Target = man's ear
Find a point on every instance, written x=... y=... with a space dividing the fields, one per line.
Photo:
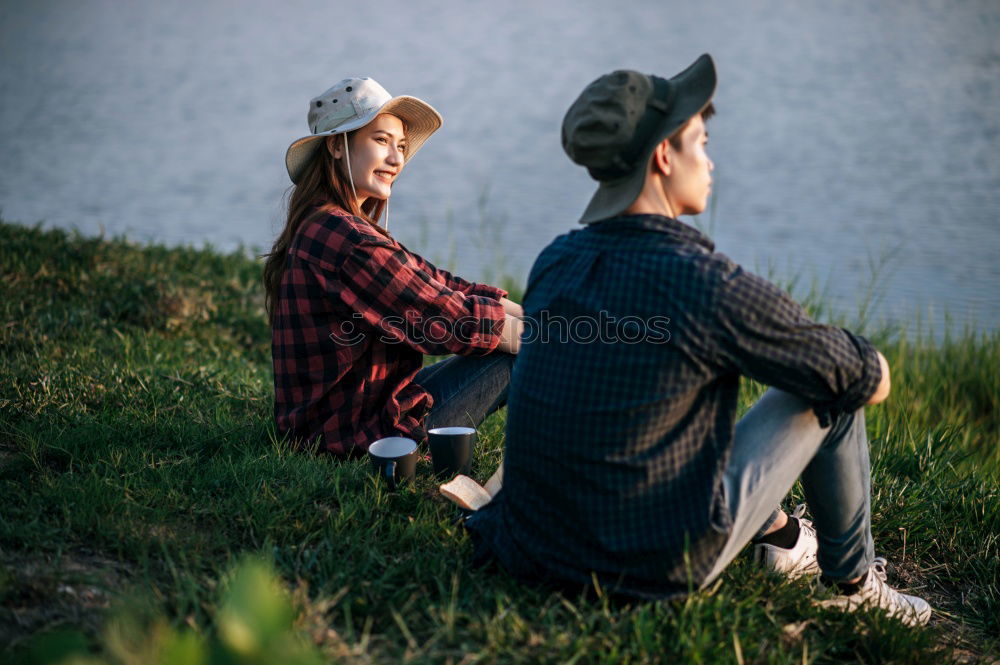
x=333 y=146
x=662 y=161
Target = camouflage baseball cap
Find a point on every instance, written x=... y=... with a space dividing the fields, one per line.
x=617 y=121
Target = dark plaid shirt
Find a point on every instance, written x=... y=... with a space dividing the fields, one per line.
x=356 y=313
x=616 y=446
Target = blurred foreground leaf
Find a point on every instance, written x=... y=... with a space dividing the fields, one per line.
x=255 y=626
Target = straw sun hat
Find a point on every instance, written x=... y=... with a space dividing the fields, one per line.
x=351 y=104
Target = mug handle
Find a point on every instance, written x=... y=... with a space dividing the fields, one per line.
x=390 y=474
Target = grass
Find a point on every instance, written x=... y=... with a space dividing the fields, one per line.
x=139 y=467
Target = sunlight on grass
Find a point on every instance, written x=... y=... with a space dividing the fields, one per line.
x=139 y=468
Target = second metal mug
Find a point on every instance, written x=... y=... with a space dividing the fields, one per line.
x=452 y=450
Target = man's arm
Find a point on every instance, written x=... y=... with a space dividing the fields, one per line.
x=764 y=334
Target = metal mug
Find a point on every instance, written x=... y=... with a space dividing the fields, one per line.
x=395 y=459
x=452 y=450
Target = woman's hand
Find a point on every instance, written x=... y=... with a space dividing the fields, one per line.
x=510 y=338
x=512 y=308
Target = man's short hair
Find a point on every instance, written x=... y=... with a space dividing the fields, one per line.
x=675 y=138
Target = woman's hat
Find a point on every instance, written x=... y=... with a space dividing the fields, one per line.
x=617 y=121
x=351 y=104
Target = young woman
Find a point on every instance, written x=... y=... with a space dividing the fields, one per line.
x=352 y=311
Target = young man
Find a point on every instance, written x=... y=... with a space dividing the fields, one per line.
x=624 y=462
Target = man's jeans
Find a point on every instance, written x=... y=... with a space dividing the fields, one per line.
x=466 y=389
x=780 y=440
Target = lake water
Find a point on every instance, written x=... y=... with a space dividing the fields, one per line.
x=856 y=145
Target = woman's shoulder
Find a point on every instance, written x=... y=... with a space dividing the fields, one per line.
x=328 y=233
x=328 y=219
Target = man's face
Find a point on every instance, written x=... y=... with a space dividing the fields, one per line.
x=690 y=181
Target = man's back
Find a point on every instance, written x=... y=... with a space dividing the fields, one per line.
x=609 y=460
x=623 y=402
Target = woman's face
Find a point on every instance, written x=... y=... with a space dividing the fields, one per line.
x=377 y=153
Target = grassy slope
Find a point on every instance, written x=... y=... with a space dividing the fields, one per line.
x=137 y=453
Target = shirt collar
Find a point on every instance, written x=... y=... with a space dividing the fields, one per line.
x=655 y=223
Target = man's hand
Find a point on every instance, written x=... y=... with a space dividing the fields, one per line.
x=884 y=385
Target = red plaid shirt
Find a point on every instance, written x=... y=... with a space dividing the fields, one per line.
x=356 y=313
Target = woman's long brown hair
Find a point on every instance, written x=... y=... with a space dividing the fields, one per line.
x=324 y=182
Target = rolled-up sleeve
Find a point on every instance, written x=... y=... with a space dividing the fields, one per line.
x=390 y=294
x=766 y=335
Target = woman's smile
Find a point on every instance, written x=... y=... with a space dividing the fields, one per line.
x=385 y=175
x=377 y=154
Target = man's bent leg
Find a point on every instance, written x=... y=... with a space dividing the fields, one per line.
x=774 y=444
x=837 y=485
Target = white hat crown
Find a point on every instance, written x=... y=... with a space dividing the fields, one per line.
x=351 y=99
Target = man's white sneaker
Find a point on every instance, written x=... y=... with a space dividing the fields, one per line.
x=794 y=562
x=875 y=592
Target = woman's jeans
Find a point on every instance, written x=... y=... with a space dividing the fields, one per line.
x=780 y=440
x=466 y=389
